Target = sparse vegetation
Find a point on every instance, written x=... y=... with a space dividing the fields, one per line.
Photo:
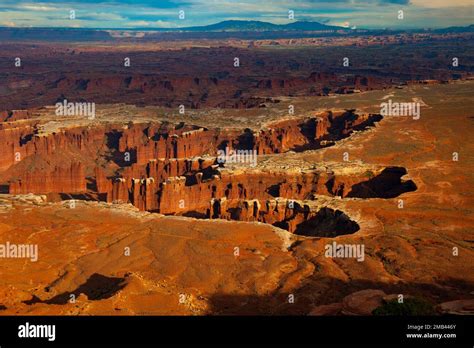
x=410 y=306
x=369 y=174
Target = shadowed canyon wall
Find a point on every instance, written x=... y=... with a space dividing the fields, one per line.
x=173 y=169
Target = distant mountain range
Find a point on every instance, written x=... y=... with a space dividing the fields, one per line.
x=222 y=30
x=258 y=26
x=469 y=28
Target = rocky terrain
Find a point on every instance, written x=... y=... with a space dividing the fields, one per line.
x=139 y=216
x=235 y=74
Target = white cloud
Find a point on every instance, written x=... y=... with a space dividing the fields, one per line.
x=444 y=3
x=31 y=7
x=8 y=24
x=344 y=24
x=132 y=24
x=100 y=16
x=364 y=14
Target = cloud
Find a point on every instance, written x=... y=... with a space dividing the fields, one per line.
x=345 y=24
x=164 y=13
x=30 y=7
x=100 y=16
x=445 y=4
x=137 y=24
x=7 y=24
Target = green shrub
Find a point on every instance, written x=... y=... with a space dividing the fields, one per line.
x=369 y=174
x=410 y=306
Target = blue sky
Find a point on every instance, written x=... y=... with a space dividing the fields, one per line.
x=165 y=13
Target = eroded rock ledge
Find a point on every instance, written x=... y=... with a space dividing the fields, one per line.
x=174 y=169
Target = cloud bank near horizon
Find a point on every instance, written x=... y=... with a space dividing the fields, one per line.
x=166 y=13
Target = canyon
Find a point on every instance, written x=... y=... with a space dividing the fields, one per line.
x=173 y=169
x=201 y=74
x=134 y=213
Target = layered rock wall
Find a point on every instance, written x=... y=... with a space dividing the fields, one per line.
x=168 y=168
x=69 y=179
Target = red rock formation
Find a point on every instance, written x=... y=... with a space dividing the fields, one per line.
x=69 y=179
x=281 y=137
x=11 y=143
x=119 y=191
x=234 y=187
x=182 y=194
x=102 y=183
x=290 y=134
x=145 y=142
x=14 y=115
x=19 y=142
x=287 y=214
x=151 y=143
x=164 y=172
x=140 y=184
